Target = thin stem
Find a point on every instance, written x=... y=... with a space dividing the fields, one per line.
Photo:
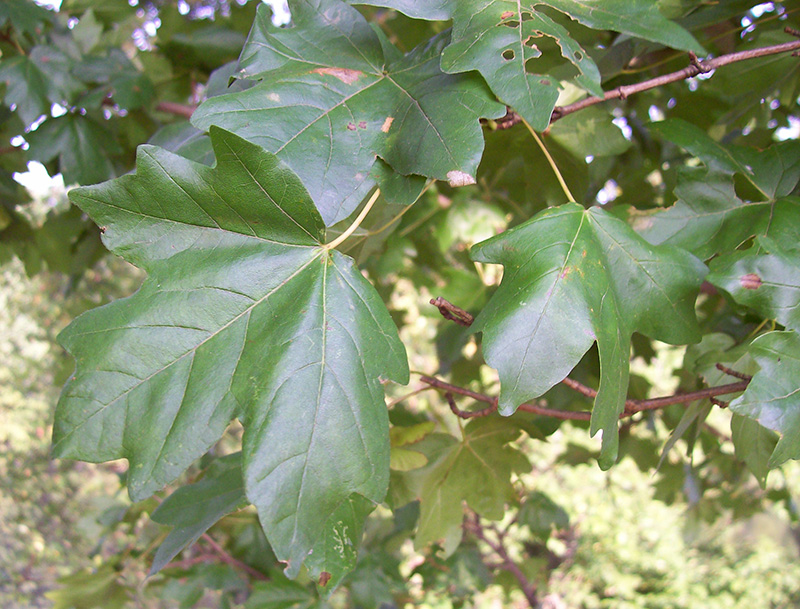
x=473 y=525
x=356 y=223
x=550 y=160
x=228 y=559
x=631 y=406
x=178 y=109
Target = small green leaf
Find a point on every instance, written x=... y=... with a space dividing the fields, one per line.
x=773 y=398
x=589 y=132
x=573 y=277
x=333 y=97
x=26 y=87
x=404 y=460
x=283 y=594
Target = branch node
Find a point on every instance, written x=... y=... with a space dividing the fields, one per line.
x=719 y=403
x=792 y=31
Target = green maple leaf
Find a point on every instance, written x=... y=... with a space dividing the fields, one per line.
x=477 y=470
x=244 y=314
x=335 y=95
x=773 y=397
x=573 y=277
x=708 y=217
x=499 y=39
x=84 y=148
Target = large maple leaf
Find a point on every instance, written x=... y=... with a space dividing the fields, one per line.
x=572 y=277
x=245 y=313
x=334 y=95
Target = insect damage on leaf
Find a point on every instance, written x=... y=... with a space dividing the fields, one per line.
x=459 y=178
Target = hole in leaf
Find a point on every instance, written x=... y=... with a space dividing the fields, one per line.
x=526 y=16
x=512 y=23
x=529 y=42
x=508 y=54
x=578 y=55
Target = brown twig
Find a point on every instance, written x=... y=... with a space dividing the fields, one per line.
x=733 y=373
x=473 y=525
x=696 y=66
x=631 y=406
x=184 y=110
x=228 y=559
x=450 y=311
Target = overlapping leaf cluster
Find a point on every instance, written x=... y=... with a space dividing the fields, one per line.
x=248 y=314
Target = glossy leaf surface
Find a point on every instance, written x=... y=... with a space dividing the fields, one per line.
x=244 y=314
x=334 y=95
x=573 y=277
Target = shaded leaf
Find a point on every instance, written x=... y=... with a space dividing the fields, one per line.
x=25 y=16
x=333 y=96
x=26 y=88
x=773 y=397
x=709 y=217
x=83 y=147
x=87 y=590
x=243 y=314
x=640 y=18
x=542 y=515
x=476 y=470
x=573 y=277
x=193 y=509
x=589 y=132
x=283 y=594
x=754 y=445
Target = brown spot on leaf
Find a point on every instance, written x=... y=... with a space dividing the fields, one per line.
x=506 y=14
x=387 y=123
x=351 y=127
x=751 y=281
x=324 y=578
x=362 y=124
x=346 y=75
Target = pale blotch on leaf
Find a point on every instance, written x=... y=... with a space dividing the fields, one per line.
x=459 y=178
x=387 y=123
x=273 y=97
x=751 y=281
x=346 y=75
